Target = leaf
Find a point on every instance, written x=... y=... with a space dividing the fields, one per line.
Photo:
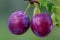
x=46 y=6
x=56 y=22
x=56 y=2
x=43 y=2
x=56 y=10
x=49 y=6
x=54 y=18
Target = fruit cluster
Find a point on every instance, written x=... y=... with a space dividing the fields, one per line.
x=41 y=22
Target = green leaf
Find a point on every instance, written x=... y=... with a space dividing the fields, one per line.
x=54 y=18
x=56 y=2
x=42 y=2
x=49 y=6
x=46 y=6
x=56 y=22
x=43 y=5
x=56 y=10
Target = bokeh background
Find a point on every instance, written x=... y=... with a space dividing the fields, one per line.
x=6 y=9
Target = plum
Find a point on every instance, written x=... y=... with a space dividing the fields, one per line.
x=41 y=24
x=18 y=22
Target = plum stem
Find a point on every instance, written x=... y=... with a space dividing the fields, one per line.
x=36 y=9
x=27 y=8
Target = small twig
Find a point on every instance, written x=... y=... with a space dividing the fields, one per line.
x=27 y=8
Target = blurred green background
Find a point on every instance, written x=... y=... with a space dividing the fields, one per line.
x=6 y=9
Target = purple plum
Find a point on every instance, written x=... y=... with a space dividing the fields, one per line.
x=41 y=24
x=18 y=22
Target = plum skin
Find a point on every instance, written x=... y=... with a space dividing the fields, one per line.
x=18 y=22
x=41 y=24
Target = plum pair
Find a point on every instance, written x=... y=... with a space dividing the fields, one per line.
x=41 y=24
